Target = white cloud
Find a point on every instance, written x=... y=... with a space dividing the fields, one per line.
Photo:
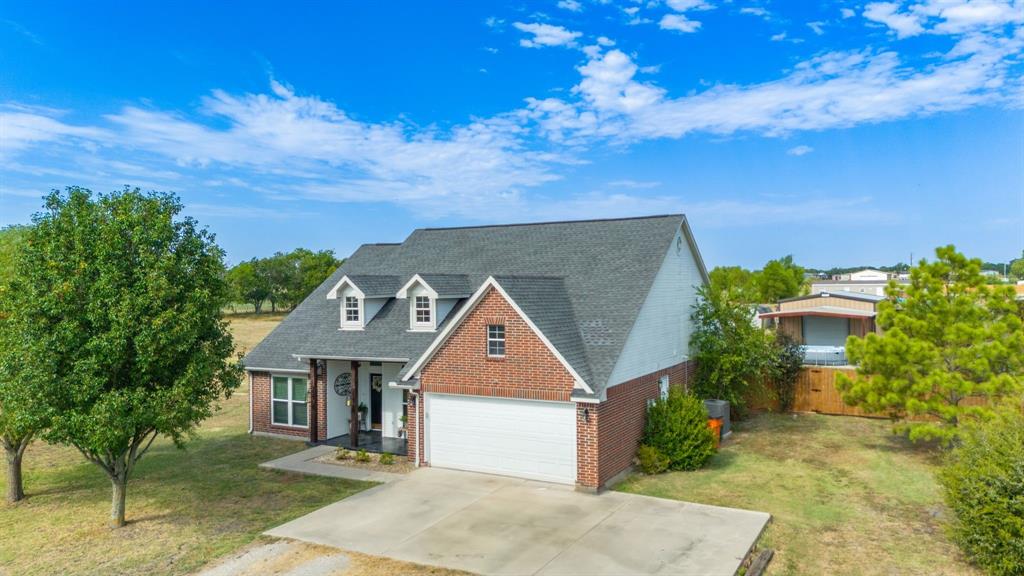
x=834 y=90
x=25 y=126
x=799 y=150
x=945 y=16
x=754 y=11
x=904 y=25
x=678 y=23
x=631 y=10
x=546 y=35
x=571 y=5
x=847 y=13
x=685 y=5
x=634 y=184
x=817 y=27
x=779 y=37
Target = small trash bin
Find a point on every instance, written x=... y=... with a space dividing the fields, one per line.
x=716 y=430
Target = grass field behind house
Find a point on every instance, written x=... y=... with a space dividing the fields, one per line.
x=846 y=496
x=184 y=507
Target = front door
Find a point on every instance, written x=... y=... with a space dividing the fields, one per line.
x=376 y=399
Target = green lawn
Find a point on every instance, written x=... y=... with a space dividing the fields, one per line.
x=184 y=507
x=846 y=496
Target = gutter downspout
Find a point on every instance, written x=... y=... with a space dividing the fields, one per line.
x=419 y=427
x=250 y=403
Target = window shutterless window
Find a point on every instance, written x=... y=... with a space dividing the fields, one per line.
x=351 y=309
x=423 y=310
x=288 y=400
x=495 y=340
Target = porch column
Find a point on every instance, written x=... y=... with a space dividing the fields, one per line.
x=313 y=395
x=353 y=421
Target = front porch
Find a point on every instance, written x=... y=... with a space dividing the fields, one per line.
x=371 y=441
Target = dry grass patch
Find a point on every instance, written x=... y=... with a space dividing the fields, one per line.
x=845 y=494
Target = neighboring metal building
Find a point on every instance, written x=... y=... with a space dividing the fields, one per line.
x=822 y=321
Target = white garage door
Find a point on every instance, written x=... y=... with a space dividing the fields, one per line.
x=523 y=438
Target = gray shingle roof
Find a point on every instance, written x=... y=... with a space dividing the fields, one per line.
x=582 y=283
x=376 y=286
x=449 y=285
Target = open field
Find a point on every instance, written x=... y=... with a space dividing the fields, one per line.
x=845 y=494
x=185 y=508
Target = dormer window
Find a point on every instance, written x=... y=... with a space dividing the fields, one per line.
x=423 y=315
x=352 y=313
x=351 y=309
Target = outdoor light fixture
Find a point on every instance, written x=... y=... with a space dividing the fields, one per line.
x=586 y=415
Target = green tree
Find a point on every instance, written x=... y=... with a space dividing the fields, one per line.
x=248 y=283
x=22 y=416
x=944 y=337
x=779 y=279
x=122 y=301
x=735 y=279
x=314 y=268
x=1017 y=267
x=731 y=353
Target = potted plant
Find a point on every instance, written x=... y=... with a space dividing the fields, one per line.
x=362 y=415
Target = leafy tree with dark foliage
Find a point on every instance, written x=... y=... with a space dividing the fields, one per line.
x=121 y=301
x=22 y=416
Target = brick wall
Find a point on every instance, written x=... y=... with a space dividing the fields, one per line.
x=461 y=366
x=617 y=424
x=261 y=408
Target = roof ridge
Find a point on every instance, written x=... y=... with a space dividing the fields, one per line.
x=517 y=224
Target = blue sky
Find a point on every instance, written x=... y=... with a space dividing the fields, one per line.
x=840 y=132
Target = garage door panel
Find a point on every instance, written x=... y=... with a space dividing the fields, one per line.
x=511 y=437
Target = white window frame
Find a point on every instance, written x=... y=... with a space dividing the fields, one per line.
x=289 y=402
x=502 y=339
x=414 y=320
x=347 y=324
x=663 y=386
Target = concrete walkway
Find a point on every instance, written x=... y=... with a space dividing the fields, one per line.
x=497 y=525
x=304 y=463
x=282 y=558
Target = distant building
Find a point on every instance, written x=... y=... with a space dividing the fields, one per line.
x=865 y=275
x=822 y=321
x=872 y=287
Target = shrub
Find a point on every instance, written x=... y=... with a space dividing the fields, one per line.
x=983 y=480
x=677 y=427
x=651 y=460
x=786 y=364
x=387 y=459
x=362 y=456
x=342 y=454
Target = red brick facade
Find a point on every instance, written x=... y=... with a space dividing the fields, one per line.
x=607 y=433
x=528 y=371
x=607 y=443
x=260 y=391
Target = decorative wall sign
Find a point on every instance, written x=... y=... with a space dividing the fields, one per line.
x=343 y=384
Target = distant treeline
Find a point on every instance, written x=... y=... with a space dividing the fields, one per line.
x=283 y=279
x=901 y=267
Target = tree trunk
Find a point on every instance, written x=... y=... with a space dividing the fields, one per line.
x=120 y=489
x=15 y=488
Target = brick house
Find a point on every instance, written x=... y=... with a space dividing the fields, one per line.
x=528 y=350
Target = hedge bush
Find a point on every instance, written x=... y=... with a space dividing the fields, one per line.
x=983 y=480
x=651 y=460
x=677 y=427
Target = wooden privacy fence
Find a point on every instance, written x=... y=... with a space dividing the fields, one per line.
x=816 y=392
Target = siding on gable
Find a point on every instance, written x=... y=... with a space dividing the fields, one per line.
x=660 y=337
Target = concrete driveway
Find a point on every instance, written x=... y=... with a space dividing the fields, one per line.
x=497 y=525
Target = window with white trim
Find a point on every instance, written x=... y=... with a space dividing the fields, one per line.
x=351 y=310
x=288 y=401
x=422 y=310
x=496 y=340
x=663 y=387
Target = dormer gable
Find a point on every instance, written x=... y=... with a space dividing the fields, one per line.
x=360 y=298
x=431 y=297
